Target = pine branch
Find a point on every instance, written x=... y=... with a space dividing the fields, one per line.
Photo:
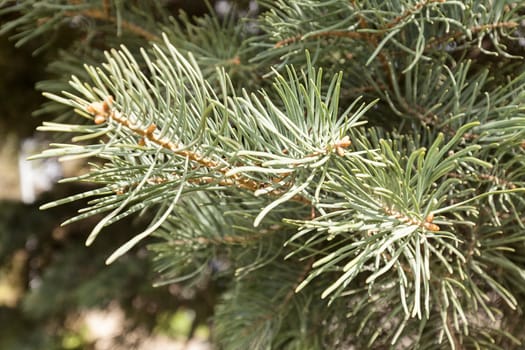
x=385 y=33
x=102 y=111
x=372 y=36
x=396 y=222
x=222 y=166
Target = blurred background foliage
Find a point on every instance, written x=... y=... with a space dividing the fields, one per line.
x=49 y=281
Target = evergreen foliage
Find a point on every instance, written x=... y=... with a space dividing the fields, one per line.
x=355 y=170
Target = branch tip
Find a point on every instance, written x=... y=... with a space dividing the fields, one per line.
x=341 y=145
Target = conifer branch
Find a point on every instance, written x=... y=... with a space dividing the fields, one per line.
x=103 y=111
x=412 y=221
x=370 y=36
x=436 y=42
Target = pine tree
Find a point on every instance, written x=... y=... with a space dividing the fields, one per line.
x=355 y=170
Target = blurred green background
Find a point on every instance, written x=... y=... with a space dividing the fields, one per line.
x=54 y=292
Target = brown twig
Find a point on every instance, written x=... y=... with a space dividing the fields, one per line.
x=103 y=15
x=491 y=178
x=498 y=180
x=106 y=6
x=227 y=239
x=332 y=33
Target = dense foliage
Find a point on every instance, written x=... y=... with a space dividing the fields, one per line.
x=354 y=170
